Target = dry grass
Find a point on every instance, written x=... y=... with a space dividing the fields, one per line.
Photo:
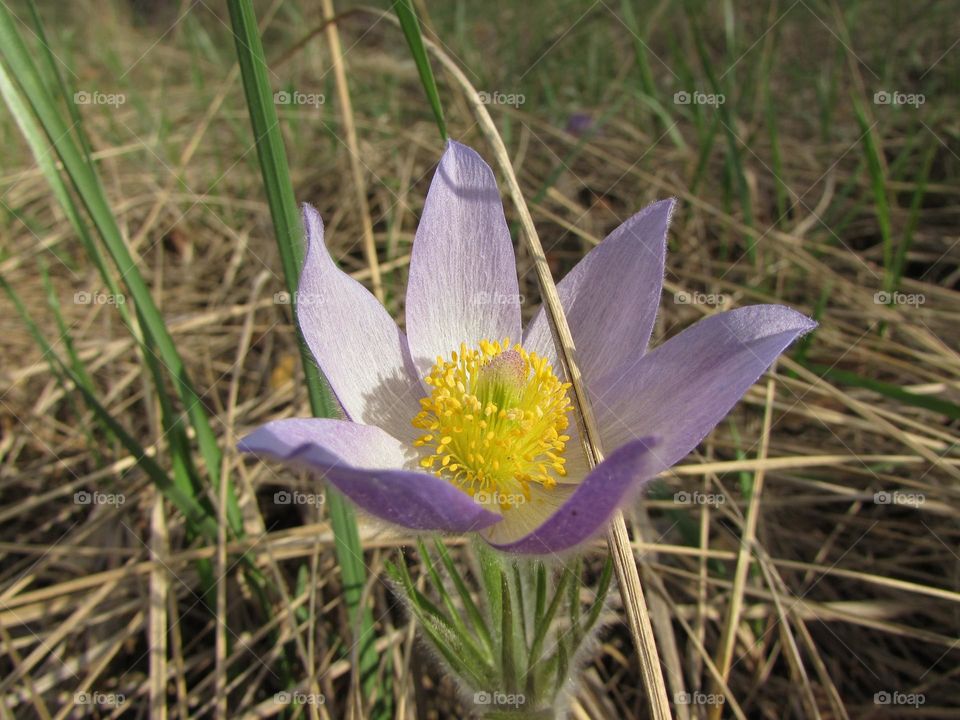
x=822 y=596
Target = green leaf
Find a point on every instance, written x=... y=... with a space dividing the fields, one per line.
x=508 y=664
x=411 y=31
x=543 y=629
x=878 y=183
x=476 y=618
x=453 y=612
x=444 y=636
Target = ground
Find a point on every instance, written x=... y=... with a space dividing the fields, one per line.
x=813 y=149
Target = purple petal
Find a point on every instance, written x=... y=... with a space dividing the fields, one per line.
x=359 y=348
x=611 y=297
x=463 y=278
x=366 y=464
x=590 y=507
x=683 y=388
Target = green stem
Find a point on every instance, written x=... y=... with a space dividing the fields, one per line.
x=289 y=235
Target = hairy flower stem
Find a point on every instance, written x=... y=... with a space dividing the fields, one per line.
x=514 y=650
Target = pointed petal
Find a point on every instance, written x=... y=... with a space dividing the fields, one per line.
x=367 y=465
x=683 y=388
x=589 y=507
x=611 y=297
x=359 y=348
x=463 y=278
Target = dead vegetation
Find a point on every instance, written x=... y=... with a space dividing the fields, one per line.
x=828 y=567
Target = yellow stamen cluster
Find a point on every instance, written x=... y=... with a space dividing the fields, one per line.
x=494 y=421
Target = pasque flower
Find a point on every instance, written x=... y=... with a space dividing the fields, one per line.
x=464 y=423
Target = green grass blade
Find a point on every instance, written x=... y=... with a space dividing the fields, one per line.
x=199 y=518
x=894 y=392
x=174 y=430
x=916 y=205
x=87 y=185
x=411 y=31
x=735 y=165
x=65 y=335
x=289 y=234
x=878 y=183
x=647 y=83
x=51 y=62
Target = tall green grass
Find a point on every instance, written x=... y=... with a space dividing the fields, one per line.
x=288 y=230
x=42 y=104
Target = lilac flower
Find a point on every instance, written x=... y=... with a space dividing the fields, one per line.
x=463 y=424
x=579 y=124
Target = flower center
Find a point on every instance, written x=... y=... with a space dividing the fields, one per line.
x=494 y=422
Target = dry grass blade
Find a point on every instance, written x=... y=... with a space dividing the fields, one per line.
x=620 y=549
x=350 y=128
x=852 y=586
x=729 y=636
x=159 y=588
